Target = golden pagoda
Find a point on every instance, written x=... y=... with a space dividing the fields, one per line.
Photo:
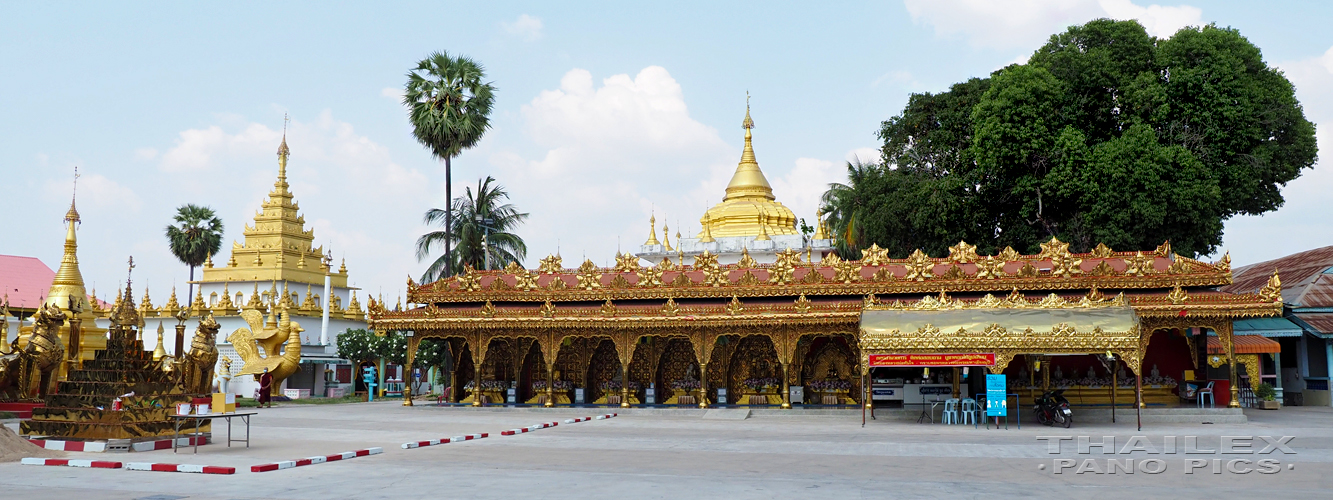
x=277 y=246
x=749 y=207
x=67 y=287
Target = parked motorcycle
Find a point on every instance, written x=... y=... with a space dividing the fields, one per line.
x=1052 y=408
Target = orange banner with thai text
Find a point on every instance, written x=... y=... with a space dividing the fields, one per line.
x=965 y=359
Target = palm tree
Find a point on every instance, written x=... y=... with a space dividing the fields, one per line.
x=196 y=237
x=483 y=232
x=841 y=204
x=449 y=107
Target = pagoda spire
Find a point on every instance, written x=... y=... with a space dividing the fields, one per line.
x=749 y=180
x=68 y=280
x=280 y=187
x=652 y=231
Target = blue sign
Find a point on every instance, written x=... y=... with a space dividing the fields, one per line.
x=997 y=403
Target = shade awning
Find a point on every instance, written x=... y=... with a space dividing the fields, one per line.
x=1245 y=344
x=1086 y=320
x=324 y=358
x=1267 y=327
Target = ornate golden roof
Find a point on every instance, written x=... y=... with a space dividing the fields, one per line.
x=749 y=207
x=277 y=246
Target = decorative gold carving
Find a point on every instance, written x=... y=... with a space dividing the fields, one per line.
x=883 y=274
x=1163 y=250
x=1224 y=265
x=670 y=308
x=1054 y=249
x=847 y=271
x=548 y=309
x=813 y=277
x=919 y=266
x=499 y=284
x=1028 y=271
x=1102 y=251
x=989 y=302
x=557 y=283
x=714 y=275
x=682 y=281
x=1053 y=301
x=608 y=309
x=550 y=265
x=650 y=276
x=963 y=253
x=667 y=265
x=1016 y=299
x=1095 y=295
x=590 y=278
x=1139 y=265
x=1177 y=296
x=487 y=310
x=1008 y=254
x=526 y=281
x=1179 y=265
x=954 y=273
x=874 y=256
x=803 y=304
x=748 y=279
x=870 y=301
x=746 y=262
x=469 y=281
x=734 y=307
x=1272 y=290
x=1102 y=269
x=627 y=263
x=511 y=268
x=620 y=281
x=990 y=268
x=782 y=271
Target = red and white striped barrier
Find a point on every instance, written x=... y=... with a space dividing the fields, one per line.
x=96 y=464
x=455 y=439
x=577 y=420
x=522 y=430
x=100 y=446
x=197 y=469
x=316 y=460
x=608 y=415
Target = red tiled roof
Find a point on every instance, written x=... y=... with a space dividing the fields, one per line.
x=1304 y=283
x=1245 y=344
x=25 y=279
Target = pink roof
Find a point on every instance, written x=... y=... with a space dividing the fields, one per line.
x=25 y=279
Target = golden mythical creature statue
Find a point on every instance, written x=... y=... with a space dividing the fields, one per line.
x=31 y=372
x=194 y=369
x=268 y=340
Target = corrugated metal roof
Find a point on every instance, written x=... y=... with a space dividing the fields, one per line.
x=25 y=279
x=1304 y=283
x=1268 y=327
x=1245 y=344
x=1322 y=323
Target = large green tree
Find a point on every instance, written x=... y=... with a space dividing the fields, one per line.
x=482 y=232
x=196 y=235
x=449 y=107
x=1105 y=135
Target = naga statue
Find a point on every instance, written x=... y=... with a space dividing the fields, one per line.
x=269 y=339
x=31 y=372
x=194 y=369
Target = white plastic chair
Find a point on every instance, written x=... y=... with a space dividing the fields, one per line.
x=1207 y=390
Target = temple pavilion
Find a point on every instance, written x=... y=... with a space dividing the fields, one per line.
x=749 y=310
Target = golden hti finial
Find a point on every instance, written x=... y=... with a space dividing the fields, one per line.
x=666 y=237
x=73 y=215
x=708 y=232
x=652 y=231
x=820 y=234
x=160 y=351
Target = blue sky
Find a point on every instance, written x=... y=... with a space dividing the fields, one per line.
x=604 y=114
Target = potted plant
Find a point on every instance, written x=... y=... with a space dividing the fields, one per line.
x=1267 y=397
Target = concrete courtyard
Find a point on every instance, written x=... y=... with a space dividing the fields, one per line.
x=666 y=454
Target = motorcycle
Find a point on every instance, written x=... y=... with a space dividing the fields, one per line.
x=1052 y=408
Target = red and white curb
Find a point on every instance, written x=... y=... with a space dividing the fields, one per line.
x=608 y=415
x=455 y=439
x=197 y=469
x=316 y=460
x=512 y=432
x=95 y=464
x=100 y=446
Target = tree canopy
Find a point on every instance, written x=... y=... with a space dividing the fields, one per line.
x=196 y=236
x=1106 y=135
x=482 y=232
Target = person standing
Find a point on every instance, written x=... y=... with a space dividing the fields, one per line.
x=265 y=389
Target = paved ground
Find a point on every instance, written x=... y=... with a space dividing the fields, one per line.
x=642 y=455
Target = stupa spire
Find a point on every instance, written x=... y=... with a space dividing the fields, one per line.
x=281 y=185
x=652 y=231
x=68 y=281
x=749 y=180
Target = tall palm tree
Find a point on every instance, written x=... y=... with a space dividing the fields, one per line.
x=484 y=226
x=841 y=204
x=449 y=107
x=196 y=236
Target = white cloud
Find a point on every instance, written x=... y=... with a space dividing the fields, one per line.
x=1300 y=224
x=864 y=155
x=97 y=191
x=526 y=27
x=145 y=154
x=1028 y=23
x=196 y=148
x=802 y=187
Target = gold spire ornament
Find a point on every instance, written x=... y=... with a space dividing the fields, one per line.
x=666 y=237
x=160 y=351
x=652 y=231
x=748 y=195
x=708 y=233
x=820 y=234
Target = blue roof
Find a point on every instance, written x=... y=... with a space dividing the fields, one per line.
x=1268 y=327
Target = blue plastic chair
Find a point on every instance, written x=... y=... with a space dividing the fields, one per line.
x=950 y=415
x=970 y=410
x=1205 y=391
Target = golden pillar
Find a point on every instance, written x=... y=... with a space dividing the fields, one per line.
x=550 y=384
x=1224 y=333
x=703 y=385
x=180 y=340
x=407 y=369
x=786 y=391
x=624 y=387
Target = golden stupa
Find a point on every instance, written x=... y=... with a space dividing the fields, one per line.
x=749 y=207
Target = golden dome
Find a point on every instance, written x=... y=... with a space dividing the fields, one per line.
x=749 y=207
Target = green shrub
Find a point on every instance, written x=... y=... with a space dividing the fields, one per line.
x=1265 y=392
